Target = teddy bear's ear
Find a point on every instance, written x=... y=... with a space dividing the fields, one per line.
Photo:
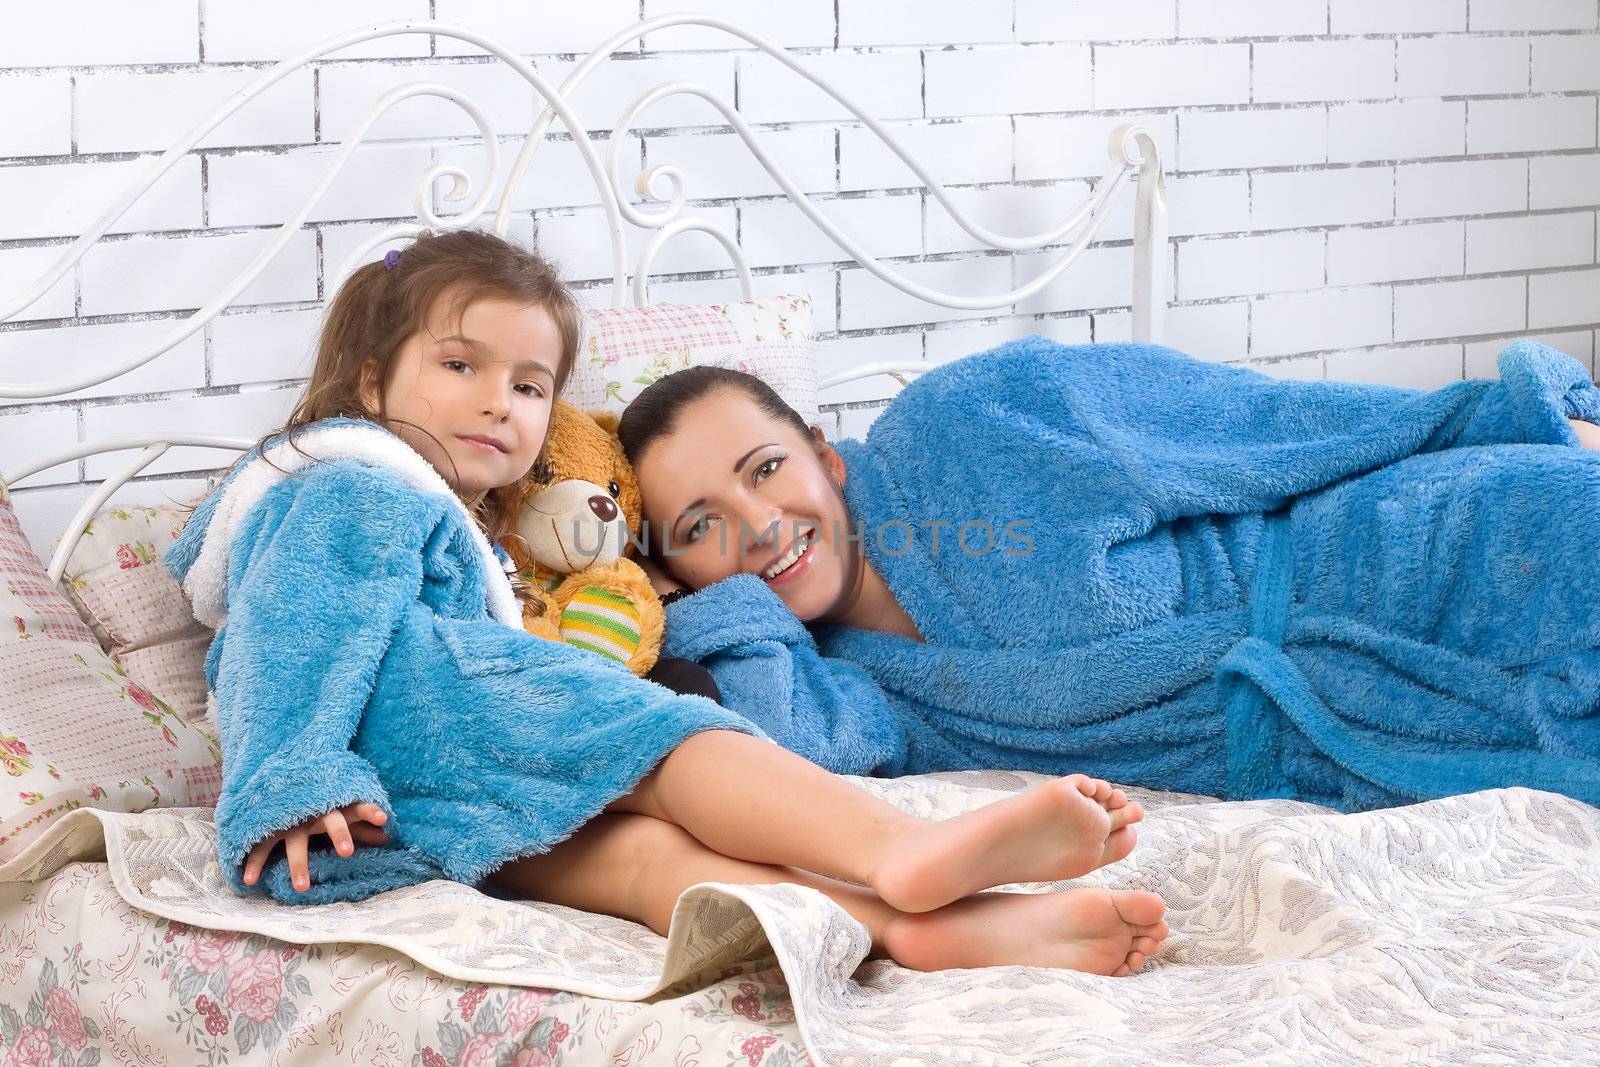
x=606 y=420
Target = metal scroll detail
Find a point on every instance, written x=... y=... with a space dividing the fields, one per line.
x=1132 y=152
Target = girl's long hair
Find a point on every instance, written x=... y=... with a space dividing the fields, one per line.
x=382 y=304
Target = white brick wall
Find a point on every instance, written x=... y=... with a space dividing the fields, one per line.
x=1364 y=189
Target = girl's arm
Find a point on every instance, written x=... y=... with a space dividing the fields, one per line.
x=321 y=573
x=769 y=670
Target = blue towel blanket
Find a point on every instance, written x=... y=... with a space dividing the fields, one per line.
x=1351 y=594
x=369 y=648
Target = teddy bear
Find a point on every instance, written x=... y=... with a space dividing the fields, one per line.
x=578 y=510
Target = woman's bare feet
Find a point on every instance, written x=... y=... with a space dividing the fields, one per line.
x=1100 y=931
x=1057 y=830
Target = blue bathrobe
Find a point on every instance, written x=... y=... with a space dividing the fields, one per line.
x=369 y=648
x=1187 y=576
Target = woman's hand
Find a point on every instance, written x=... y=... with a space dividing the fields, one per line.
x=1588 y=433
x=344 y=826
x=662 y=582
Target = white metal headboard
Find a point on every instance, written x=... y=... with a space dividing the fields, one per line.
x=1131 y=149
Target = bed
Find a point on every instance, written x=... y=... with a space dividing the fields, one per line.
x=1459 y=931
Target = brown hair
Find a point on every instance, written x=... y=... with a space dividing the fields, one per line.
x=655 y=412
x=384 y=303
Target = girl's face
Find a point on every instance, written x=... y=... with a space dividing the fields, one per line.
x=483 y=387
x=732 y=490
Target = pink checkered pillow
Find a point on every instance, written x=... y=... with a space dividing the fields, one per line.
x=75 y=730
x=625 y=349
x=137 y=610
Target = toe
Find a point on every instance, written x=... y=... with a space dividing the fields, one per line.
x=1146 y=945
x=1119 y=844
x=1135 y=961
x=1140 y=908
x=1121 y=971
x=1126 y=815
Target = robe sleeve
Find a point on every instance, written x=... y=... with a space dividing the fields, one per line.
x=1191 y=437
x=1538 y=391
x=320 y=576
x=1276 y=439
x=769 y=670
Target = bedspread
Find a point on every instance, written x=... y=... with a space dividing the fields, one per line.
x=1461 y=930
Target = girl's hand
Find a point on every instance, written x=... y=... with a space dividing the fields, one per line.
x=659 y=579
x=344 y=826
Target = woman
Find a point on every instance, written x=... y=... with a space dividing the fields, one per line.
x=1119 y=559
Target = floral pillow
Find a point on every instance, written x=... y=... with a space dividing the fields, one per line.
x=624 y=349
x=137 y=609
x=75 y=729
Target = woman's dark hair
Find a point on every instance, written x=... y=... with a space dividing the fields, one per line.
x=656 y=411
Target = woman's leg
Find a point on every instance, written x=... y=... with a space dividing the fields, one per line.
x=1449 y=604
x=753 y=800
x=636 y=867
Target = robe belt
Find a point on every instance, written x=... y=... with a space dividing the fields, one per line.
x=1265 y=694
x=1256 y=680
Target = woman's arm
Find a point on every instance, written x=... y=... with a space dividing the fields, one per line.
x=1541 y=397
x=1154 y=435
x=1588 y=433
x=769 y=670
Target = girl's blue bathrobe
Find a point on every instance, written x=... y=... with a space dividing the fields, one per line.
x=369 y=648
x=1203 y=579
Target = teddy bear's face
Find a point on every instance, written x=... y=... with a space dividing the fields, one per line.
x=583 y=502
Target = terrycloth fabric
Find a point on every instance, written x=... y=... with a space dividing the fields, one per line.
x=1356 y=595
x=368 y=649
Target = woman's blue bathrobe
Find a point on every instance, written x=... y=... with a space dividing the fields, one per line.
x=1356 y=595
x=368 y=648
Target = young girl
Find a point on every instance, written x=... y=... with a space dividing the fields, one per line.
x=372 y=683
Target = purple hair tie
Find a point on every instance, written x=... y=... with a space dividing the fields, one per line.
x=391 y=258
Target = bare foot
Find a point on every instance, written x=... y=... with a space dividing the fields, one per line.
x=1120 y=842
x=1100 y=931
x=1057 y=830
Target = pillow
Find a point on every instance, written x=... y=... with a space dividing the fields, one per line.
x=625 y=349
x=75 y=729
x=135 y=607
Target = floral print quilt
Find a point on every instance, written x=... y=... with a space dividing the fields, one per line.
x=1459 y=931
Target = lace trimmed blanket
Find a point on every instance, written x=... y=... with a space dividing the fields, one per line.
x=1462 y=930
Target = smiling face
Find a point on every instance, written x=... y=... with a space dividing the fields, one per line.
x=473 y=396
x=735 y=490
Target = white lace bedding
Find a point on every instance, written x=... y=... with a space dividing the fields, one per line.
x=1461 y=931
